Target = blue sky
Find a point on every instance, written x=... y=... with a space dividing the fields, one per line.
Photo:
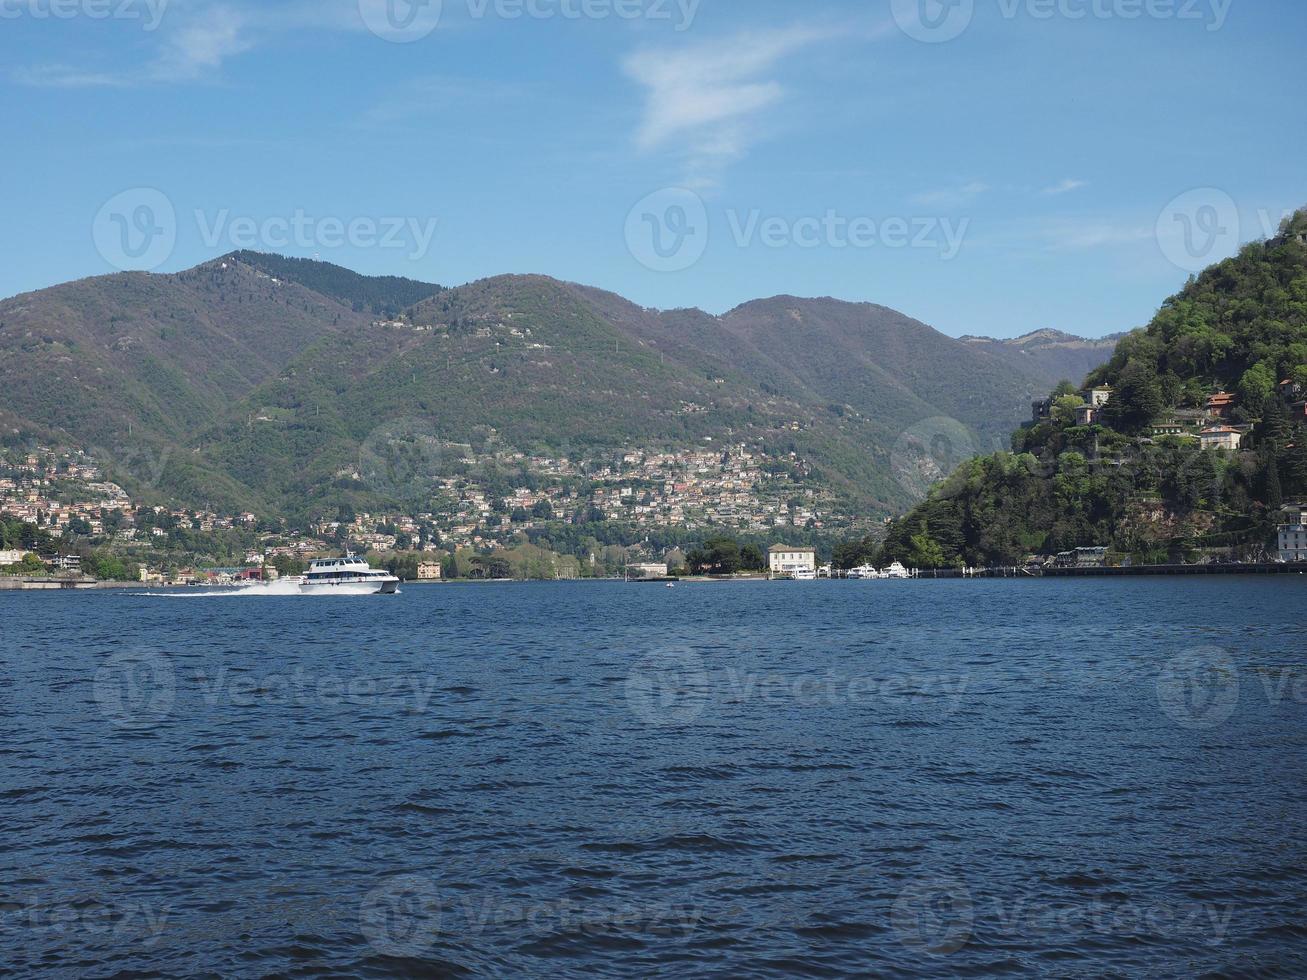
x=991 y=167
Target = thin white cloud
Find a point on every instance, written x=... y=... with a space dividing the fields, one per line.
x=1065 y=187
x=951 y=197
x=66 y=76
x=704 y=100
x=194 y=47
x=1066 y=234
x=198 y=48
x=439 y=94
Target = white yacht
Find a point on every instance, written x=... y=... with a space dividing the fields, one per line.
x=350 y=575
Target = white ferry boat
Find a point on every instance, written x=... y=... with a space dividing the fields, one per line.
x=346 y=576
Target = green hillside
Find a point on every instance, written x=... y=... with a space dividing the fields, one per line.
x=260 y=383
x=1137 y=479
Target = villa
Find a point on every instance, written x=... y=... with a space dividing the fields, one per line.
x=787 y=560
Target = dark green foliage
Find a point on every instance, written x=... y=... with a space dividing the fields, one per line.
x=379 y=295
x=1240 y=327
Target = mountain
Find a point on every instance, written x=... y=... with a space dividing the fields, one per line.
x=1137 y=478
x=264 y=383
x=1051 y=354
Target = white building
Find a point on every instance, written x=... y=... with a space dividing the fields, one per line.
x=787 y=560
x=1098 y=397
x=1293 y=533
x=1221 y=437
x=11 y=557
x=652 y=569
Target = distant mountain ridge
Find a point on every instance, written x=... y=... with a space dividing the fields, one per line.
x=1051 y=353
x=252 y=381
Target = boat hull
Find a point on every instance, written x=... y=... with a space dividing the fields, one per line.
x=388 y=586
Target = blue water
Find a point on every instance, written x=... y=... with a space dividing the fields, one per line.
x=1070 y=778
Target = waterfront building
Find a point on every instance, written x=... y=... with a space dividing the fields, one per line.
x=1293 y=533
x=786 y=560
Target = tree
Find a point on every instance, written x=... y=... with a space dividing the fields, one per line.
x=1257 y=387
x=1274 y=492
x=752 y=558
x=1137 y=400
x=925 y=552
x=718 y=556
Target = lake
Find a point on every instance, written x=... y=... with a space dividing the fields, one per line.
x=1070 y=777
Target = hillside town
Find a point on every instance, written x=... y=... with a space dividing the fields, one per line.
x=65 y=494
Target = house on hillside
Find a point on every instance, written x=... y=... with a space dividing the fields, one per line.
x=429 y=571
x=1041 y=411
x=1098 y=397
x=1221 y=437
x=1086 y=415
x=1220 y=405
x=1183 y=422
